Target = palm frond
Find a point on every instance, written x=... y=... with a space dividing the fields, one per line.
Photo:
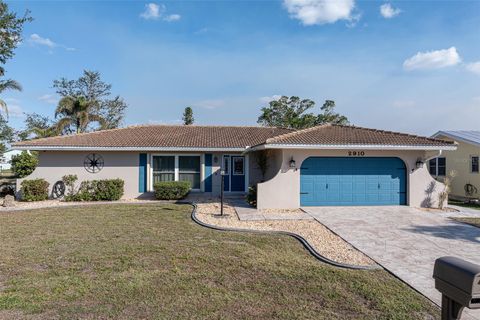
x=3 y=106
x=63 y=123
x=10 y=84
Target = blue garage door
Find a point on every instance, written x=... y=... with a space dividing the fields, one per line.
x=335 y=181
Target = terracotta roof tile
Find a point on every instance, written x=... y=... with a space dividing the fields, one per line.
x=151 y=136
x=226 y=137
x=330 y=134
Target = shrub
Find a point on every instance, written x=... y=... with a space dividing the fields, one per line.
x=34 y=190
x=252 y=196
x=69 y=181
x=98 y=190
x=171 y=190
x=24 y=163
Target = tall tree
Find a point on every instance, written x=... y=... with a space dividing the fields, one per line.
x=5 y=85
x=38 y=126
x=292 y=113
x=6 y=135
x=93 y=89
x=188 y=118
x=76 y=114
x=11 y=27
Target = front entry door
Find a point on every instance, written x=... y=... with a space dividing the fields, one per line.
x=234 y=168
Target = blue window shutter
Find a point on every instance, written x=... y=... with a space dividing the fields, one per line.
x=142 y=173
x=208 y=172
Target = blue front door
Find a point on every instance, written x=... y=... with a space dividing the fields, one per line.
x=234 y=168
x=339 y=181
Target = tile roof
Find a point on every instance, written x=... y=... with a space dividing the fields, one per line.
x=331 y=134
x=162 y=136
x=226 y=137
x=472 y=136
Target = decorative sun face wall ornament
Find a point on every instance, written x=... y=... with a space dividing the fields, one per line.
x=93 y=163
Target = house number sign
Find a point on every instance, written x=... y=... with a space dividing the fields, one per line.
x=356 y=153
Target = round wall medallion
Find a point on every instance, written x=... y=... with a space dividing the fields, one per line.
x=93 y=163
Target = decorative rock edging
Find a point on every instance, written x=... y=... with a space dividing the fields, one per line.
x=302 y=240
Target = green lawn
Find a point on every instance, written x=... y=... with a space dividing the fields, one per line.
x=153 y=262
x=463 y=204
x=473 y=221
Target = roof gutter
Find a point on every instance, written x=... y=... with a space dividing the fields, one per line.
x=350 y=146
x=169 y=149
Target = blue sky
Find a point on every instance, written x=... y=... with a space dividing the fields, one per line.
x=410 y=66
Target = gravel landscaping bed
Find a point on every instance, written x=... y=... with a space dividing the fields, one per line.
x=322 y=239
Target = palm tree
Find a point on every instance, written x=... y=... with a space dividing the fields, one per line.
x=78 y=113
x=8 y=85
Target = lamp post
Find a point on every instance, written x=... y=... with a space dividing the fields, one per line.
x=222 y=174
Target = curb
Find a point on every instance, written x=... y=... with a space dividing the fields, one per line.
x=302 y=240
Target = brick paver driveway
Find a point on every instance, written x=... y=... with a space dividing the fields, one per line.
x=404 y=240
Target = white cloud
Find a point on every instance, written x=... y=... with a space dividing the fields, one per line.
x=36 y=39
x=433 y=59
x=317 y=12
x=474 y=67
x=268 y=99
x=172 y=17
x=155 y=11
x=49 y=98
x=210 y=104
x=388 y=11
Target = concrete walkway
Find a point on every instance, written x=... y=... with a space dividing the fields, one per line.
x=404 y=240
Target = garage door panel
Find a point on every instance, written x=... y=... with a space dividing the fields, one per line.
x=352 y=181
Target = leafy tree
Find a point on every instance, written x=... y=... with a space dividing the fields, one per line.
x=38 y=126
x=188 y=118
x=292 y=113
x=91 y=88
x=6 y=135
x=11 y=27
x=329 y=116
x=76 y=113
x=24 y=163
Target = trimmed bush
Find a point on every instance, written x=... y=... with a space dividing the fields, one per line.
x=99 y=190
x=34 y=190
x=24 y=163
x=171 y=190
x=69 y=180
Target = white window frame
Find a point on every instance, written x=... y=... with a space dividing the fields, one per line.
x=177 y=169
x=471 y=163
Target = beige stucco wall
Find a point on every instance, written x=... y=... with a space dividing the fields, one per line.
x=53 y=165
x=283 y=189
x=459 y=161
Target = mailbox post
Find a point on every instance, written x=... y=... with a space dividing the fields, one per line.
x=459 y=283
x=222 y=178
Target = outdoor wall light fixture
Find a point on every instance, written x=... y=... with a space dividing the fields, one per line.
x=292 y=163
x=215 y=159
x=419 y=164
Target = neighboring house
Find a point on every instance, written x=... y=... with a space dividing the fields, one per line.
x=464 y=161
x=325 y=165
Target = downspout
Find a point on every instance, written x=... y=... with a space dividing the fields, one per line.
x=435 y=156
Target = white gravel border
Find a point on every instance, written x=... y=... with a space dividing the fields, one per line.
x=320 y=238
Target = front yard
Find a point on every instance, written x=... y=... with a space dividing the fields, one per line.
x=470 y=220
x=151 y=261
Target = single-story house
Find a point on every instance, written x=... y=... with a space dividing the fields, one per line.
x=327 y=165
x=464 y=161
